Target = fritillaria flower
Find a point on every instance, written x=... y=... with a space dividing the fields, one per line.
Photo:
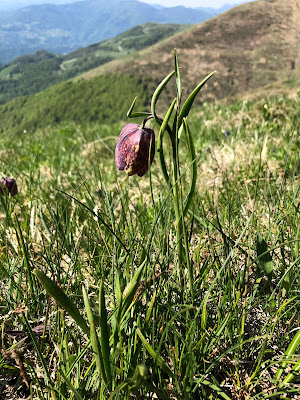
x=133 y=149
x=8 y=185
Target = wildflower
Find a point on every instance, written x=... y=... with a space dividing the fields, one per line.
x=8 y=185
x=132 y=150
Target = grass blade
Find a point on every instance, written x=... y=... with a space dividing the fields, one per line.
x=104 y=338
x=216 y=389
x=130 y=290
x=71 y=387
x=62 y=299
x=40 y=355
x=289 y=352
x=154 y=355
x=26 y=257
x=94 y=338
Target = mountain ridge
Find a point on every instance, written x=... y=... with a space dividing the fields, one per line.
x=65 y=28
x=32 y=73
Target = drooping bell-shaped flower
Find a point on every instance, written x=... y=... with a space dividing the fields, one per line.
x=8 y=185
x=133 y=149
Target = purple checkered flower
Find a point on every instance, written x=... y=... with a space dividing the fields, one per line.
x=132 y=149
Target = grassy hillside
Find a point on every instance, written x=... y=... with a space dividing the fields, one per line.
x=105 y=98
x=250 y=46
x=226 y=339
x=34 y=73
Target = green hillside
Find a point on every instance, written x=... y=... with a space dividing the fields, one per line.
x=33 y=73
x=105 y=98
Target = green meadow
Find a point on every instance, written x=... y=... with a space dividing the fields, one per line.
x=119 y=314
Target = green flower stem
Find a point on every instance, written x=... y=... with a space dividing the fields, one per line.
x=160 y=150
x=179 y=124
x=164 y=126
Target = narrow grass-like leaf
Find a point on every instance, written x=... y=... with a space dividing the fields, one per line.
x=177 y=77
x=121 y=387
x=25 y=256
x=71 y=387
x=139 y=114
x=99 y=218
x=149 y=312
x=216 y=389
x=40 y=355
x=164 y=125
x=130 y=290
x=62 y=299
x=297 y=244
x=204 y=313
x=264 y=256
x=291 y=375
x=104 y=337
x=131 y=107
x=94 y=338
x=78 y=358
x=118 y=292
x=131 y=114
x=154 y=355
x=194 y=167
x=189 y=101
x=156 y=95
x=288 y=354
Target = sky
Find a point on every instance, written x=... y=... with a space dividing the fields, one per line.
x=195 y=3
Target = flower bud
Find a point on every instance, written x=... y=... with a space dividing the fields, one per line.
x=132 y=150
x=8 y=185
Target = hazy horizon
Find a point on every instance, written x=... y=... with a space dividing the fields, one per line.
x=6 y=5
x=195 y=3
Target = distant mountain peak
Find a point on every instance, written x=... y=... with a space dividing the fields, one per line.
x=63 y=28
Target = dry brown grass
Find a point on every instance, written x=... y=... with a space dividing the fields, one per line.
x=250 y=46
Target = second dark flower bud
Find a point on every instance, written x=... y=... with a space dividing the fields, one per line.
x=8 y=185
